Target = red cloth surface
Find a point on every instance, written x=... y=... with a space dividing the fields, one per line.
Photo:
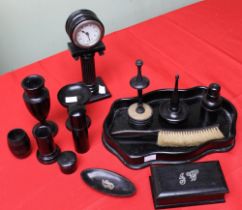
x=201 y=42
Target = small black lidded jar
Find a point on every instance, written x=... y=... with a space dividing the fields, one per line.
x=19 y=143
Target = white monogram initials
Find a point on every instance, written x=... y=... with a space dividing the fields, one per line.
x=182 y=179
x=107 y=184
x=191 y=175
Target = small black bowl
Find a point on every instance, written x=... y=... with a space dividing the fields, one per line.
x=74 y=93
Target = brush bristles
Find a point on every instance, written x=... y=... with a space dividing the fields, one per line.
x=188 y=138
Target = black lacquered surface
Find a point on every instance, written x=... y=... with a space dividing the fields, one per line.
x=108 y=182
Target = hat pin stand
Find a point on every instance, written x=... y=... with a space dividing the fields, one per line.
x=140 y=113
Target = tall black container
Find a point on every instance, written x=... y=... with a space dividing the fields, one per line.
x=79 y=124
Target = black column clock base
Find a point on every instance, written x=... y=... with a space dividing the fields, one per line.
x=95 y=84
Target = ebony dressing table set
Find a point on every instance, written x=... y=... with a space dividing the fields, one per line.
x=165 y=129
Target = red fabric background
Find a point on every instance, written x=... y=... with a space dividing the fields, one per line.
x=201 y=42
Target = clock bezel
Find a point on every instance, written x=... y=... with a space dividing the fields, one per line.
x=77 y=28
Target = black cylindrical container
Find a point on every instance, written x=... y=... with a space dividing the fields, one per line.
x=47 y=150
x=77 y=115
x=19 y=143
x=212 y=99
x=211 y=103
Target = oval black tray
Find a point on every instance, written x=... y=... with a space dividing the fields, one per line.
x=138 y=154
x=108 y=182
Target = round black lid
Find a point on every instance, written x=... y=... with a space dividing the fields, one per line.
x=67 y=161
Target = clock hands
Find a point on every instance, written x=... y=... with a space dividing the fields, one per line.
x=86 y=34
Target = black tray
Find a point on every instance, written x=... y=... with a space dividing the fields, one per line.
x=137 y=154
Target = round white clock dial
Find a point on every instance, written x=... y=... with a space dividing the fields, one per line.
x=87 y=33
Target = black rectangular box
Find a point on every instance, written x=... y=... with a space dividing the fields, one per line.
x=187 y=184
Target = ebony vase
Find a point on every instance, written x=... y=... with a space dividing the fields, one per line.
x=37 y=99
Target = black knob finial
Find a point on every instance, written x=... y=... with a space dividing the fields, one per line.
x=214 y=90
x=139 y=63
x=139 y=82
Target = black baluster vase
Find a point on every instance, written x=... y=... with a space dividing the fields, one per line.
x=37 y=99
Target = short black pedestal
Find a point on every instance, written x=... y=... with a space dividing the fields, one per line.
x=101 y=93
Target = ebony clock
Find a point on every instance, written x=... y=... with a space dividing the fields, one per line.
x=86 y=31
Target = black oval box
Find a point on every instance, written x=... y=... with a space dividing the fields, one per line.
x=108 y=182
x=187 y=184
